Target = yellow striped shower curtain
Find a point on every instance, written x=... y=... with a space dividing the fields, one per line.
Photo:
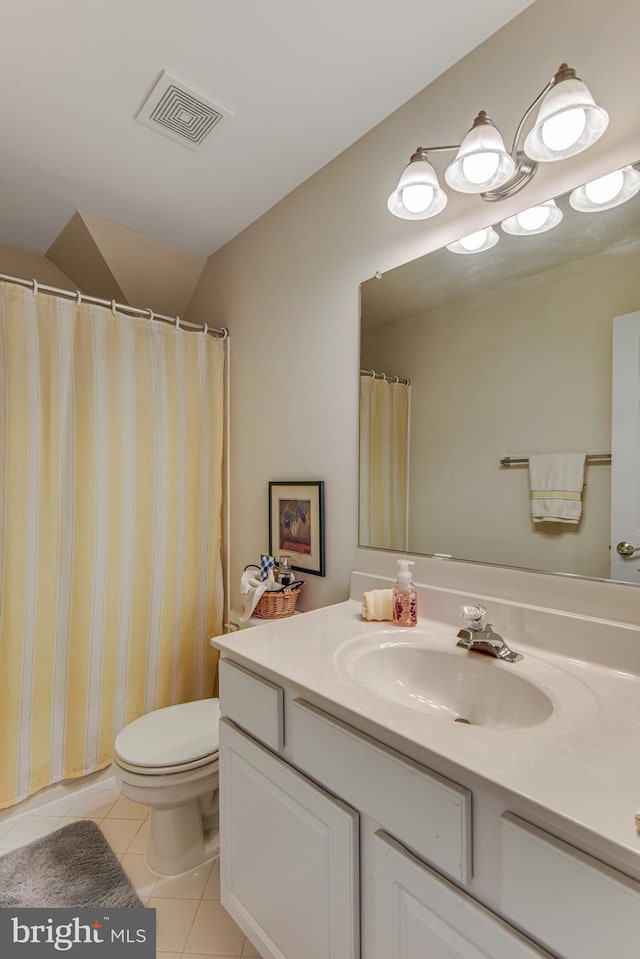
x=384 y=453
x=111 y=439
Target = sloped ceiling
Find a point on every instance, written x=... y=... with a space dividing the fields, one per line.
x=78 y=255
x=150 y=273
x=112 y=262
x=301 y=82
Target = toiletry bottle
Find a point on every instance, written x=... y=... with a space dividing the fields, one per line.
x=405 y=599
x=285 y=573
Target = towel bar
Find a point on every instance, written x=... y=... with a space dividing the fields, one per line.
x=524 y=460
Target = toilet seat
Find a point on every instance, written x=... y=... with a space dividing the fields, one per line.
x=170 y=740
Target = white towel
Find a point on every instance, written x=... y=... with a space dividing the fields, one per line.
x=378 y=604
x=556 y=481
x=252 y=588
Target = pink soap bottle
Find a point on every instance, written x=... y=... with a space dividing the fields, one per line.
x=405 y=598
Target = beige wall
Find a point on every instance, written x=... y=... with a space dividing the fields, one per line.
x=112 y=262
x=15 y=261
x=525 y=368
x=287 y=287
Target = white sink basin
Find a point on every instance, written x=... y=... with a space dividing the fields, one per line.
x=452 y=684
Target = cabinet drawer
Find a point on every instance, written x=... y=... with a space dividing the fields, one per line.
x=253 y=703
x=418 y=914
x=576 y=905
x=430 y=814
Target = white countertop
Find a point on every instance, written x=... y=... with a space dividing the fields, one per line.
x=583 y=763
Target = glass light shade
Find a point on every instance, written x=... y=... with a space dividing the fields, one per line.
x=607 y=191
x=476 y=242
x=482 y=162
x=605 y=188
x=568 y=122
x=536 y=219
x=418 y=194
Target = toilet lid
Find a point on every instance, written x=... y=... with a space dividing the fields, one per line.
x=173 y=736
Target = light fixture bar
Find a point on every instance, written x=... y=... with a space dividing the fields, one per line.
x=426 y=150
x=524 y=173
x=568 y=122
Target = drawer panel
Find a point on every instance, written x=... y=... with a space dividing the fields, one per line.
x=252 y=702
x=426 y=812
x=575 y=905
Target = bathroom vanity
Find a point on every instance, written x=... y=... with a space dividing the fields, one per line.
x=387 y=795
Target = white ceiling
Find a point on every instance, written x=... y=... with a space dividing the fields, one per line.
x=303 y=79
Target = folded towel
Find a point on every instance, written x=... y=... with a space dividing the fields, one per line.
x=378 y=604
x=556 y=481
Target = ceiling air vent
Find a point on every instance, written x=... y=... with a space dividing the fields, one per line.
x=179 y=112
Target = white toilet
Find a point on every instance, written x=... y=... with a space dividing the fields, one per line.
x=168 y=759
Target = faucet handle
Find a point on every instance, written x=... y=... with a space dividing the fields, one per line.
x=475 y=617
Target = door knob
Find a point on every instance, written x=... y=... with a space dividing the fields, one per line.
x=626 y=549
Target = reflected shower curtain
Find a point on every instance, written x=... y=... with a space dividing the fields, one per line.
x=110 y=529
x=384 y=475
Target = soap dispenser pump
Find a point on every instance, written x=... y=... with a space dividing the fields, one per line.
x=405 y=598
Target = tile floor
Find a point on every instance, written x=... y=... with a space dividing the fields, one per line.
x=190 y=922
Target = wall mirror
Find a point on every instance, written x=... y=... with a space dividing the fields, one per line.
x=508 y=352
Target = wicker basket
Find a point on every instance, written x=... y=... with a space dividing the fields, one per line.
x=277 y=604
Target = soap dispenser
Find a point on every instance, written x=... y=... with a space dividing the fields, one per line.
x=405 y=598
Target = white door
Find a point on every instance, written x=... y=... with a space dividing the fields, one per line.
x=288 y=856
x=625 y=447
x=419 y=915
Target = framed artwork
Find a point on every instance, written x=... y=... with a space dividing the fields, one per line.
x=296 y=524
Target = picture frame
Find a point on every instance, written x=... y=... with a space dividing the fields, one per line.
x=296 y=524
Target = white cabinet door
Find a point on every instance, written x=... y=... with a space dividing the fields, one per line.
x=420 y=915
x=288 y=856
x=580 y=907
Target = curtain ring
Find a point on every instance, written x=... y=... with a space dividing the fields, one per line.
x=35 y=287
x=205 y=329
x=113 y=307
x=150 y=315
x=78 y=297
x=372 y=374
x=394 y=379
x=177 y=323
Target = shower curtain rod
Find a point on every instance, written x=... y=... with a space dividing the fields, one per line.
x=374 y=374
x=219 y=333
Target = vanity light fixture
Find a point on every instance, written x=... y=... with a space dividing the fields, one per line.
x=537 y=219
x=607 y=191
x=476 y=242
x=568 y=122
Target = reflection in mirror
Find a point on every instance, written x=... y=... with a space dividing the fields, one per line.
x=509 y=353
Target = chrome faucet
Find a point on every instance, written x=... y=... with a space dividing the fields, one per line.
x=478 y=636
